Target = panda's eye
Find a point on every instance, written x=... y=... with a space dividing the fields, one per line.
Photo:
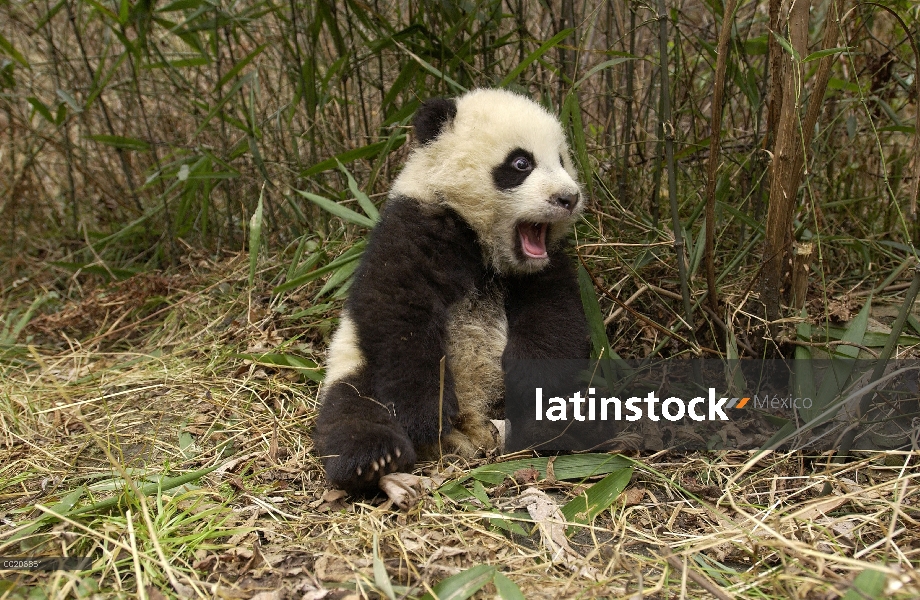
x=521 y=163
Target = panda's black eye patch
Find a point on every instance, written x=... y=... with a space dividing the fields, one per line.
x=513 y=171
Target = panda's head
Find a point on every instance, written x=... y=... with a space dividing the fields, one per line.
x=501 y=161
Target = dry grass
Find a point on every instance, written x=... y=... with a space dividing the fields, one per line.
x=163 y=392
x=169 y=129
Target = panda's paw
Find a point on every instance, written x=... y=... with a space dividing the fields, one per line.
x=362 y=458
x=474 y=438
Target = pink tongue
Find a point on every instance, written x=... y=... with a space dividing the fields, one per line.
x=533 y=239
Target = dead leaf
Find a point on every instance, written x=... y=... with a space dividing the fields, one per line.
x=633 y=496
x=403 y=489
x=817 y=509
x=526 y=476
x=551 y=471
x=551 y=523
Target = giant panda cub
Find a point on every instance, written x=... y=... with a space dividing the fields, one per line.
x=465 y=264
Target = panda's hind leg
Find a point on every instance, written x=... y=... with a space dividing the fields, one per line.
x=477 y=333
x=359 y=439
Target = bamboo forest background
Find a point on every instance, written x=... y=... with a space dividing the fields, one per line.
x=137 y=136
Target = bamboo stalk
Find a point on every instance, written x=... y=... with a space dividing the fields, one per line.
x=785 y=157
x=668 y=130
x=714 y=138
x=628 y=119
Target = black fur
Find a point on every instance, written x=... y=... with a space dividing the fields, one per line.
x=545 y=316
x=506 y=177
x=418 y=263
x=421 y=260
x=431 y=118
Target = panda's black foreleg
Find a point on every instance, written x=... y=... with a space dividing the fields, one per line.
x=547 y=344
x=359 y=438
x=418 y=263
x=545 y=315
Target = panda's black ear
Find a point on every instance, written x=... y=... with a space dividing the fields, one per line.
x=431 y=118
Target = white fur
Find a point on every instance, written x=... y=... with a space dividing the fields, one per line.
x=343 y=356
x=456 y=169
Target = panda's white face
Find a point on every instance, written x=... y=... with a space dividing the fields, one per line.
x=502 y=162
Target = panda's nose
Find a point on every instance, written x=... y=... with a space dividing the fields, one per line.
x=566 y=201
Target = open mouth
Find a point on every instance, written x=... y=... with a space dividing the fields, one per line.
x=533 y=239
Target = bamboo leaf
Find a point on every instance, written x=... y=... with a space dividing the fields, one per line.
x=597 y=329
x=255 y=237
x=341 y=275
x=432 y=69
x=239 y=66
x=827 y=52
x=598 y=497
x=304 y=366
x=369 y=209
x=787 y=46
x=49 y=15
x=180 y=5
x=838 y=375
x=118 y=141
x=63 y=506
x=70 y=100
x=353 y=155
x=507 y=589
x=573 y=466
x=239 y=83
x=343 y=212
x=462 y=585
x=352 y=254
x=604 y=65
x=868 y=585
x=381 y=579
x=163 y=485
x=533 y=56
x=7 y=47
x=40 y=108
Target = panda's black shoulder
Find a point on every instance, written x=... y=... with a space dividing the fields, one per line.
x=408 y=222
x=416 y=250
